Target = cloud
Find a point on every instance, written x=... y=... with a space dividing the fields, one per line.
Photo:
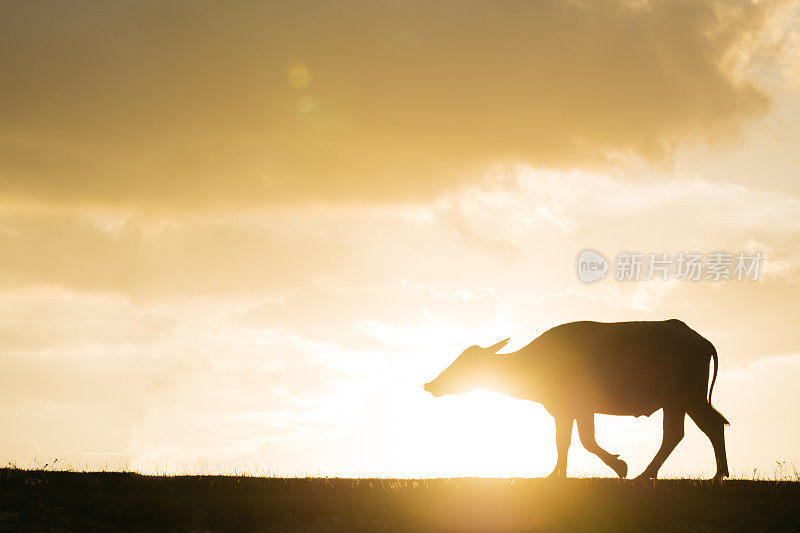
x=157 y=258
x=364 y=317
x=102 y=364
x=119 y=103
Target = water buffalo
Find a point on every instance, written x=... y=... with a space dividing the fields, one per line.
x=622 y=368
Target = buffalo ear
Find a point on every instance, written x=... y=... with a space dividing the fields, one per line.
x=494 y=348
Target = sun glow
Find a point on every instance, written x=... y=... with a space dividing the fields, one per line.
x=476 y=434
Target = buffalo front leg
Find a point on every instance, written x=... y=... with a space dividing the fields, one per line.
x=673 y=434
x=586 y=432
x=563 y=438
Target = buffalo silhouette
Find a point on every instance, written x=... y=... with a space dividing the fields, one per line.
x=618 y=368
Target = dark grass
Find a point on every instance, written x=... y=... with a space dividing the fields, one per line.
x=87 y=501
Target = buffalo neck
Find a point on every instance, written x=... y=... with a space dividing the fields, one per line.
x=506 y=375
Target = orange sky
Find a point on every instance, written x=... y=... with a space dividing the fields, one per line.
x=244 y=235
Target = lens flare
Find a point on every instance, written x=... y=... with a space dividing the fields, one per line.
x=306 y=104
x=298 y=75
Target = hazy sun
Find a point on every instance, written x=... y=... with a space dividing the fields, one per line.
x=476 y=434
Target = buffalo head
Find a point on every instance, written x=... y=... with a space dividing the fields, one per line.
x=467 y=372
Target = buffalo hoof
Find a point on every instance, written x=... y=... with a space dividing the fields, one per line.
x=645 y=476
x=557 y=474
x=620 y=467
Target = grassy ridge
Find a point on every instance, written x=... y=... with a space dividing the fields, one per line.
x=39 y=500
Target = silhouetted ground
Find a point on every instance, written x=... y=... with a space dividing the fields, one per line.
x=59 y=501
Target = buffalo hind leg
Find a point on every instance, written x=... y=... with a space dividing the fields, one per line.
x=712 y=423
x=673 y=433
x=563 y=439
x=586 y=432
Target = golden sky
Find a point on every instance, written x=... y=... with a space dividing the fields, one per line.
x=244 y=234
